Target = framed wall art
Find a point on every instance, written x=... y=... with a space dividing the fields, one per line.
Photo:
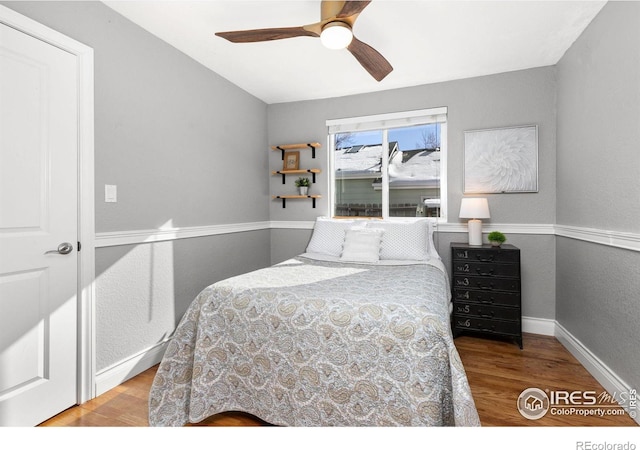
x=501 y=160
x=291 y=161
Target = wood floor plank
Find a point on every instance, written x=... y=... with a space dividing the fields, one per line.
x=497 y=371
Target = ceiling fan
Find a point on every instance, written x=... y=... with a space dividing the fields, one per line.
x=334 y=30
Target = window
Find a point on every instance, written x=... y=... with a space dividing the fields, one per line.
x=390 y=165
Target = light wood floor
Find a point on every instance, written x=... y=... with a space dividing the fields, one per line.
x=497 y=371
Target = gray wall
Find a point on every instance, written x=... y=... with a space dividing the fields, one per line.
x=598 y=287
x=143 y=290
x=517 y=98
x=170 y=134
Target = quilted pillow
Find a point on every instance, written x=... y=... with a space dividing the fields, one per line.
x=362 y=245
x=404 y=240
x=328 y=236
x=432 y=250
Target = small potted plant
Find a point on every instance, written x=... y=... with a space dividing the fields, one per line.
x=496 y=238
x=302 y=184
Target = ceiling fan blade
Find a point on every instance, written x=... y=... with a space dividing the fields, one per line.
x=370 y=59
x=352 y=7
x=265 y=34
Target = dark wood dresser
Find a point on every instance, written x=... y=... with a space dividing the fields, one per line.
x=486 y=291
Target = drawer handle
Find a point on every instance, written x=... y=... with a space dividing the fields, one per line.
x=487 y=316
x=485 y=274
x=489 y=259
x=488 y=288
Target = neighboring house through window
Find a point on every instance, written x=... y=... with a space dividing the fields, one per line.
x=389 y=165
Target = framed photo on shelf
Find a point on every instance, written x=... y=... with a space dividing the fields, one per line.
x=291 y=161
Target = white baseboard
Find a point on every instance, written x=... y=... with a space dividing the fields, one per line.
x=120 y=372
x=609 y=380
x=546 y=327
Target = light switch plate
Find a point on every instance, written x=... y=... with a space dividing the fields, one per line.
x=110 y=193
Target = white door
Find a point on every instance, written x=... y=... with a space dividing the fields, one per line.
x=38 y=213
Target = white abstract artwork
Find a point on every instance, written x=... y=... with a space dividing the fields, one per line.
x=501 y=160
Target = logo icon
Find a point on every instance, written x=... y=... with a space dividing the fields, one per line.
x=533 y=403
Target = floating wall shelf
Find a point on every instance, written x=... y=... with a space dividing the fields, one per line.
x=283 y=148
x=285 y=197
x=284 y=173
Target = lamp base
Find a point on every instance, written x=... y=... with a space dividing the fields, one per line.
x=475 y=232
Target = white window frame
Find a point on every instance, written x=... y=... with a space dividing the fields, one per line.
x=384 y=122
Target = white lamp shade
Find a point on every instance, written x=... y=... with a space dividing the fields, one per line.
x=474 y=208
x=336 y=35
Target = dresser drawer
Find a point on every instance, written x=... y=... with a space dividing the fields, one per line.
x=486 y=283
x=480 y=310
x=486 y=291
x=482 y=255
x=486 y=269
x=487 y=297
x=487 y=325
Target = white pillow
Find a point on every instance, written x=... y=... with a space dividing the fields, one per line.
x=432 y=250
x=328 y=235
x=362 y=245
x=404 y=240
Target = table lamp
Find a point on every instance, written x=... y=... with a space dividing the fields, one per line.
x=474 y=209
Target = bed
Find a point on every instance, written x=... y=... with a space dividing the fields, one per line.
x=353 y=332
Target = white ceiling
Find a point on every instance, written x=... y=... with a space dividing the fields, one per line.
x=425 y=41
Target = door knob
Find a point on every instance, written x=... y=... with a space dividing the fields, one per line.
x=62 y=249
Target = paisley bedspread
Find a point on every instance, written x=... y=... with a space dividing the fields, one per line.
x=318 y=343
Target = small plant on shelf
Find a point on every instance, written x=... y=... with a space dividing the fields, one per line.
x=303 y=184
x=496 y=238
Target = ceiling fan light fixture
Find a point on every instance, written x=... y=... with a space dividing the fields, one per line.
x=337 y=19
x=336 y=35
